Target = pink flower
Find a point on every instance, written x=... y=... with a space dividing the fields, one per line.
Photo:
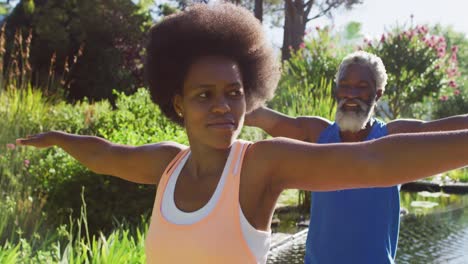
x=443 y=98
x=440 y=52
x=424 y=29
x=10 y=146
x=454 y=57
x=454 y=48
x=420 y=30
x=409 y=34
x=456 y=92
x=26 y=163
x=382 y=39
x=452 y=72
x=428 y=43
x=452 y=84
x=302 y=45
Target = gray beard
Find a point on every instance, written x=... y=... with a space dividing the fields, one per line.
x=354 y=121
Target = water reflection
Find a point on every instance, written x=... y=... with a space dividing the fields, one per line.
x=428 y=234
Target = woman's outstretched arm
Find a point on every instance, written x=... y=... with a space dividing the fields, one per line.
x=142 y=164
x=379 y=163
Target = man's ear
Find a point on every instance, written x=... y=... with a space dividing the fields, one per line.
x=378 y=94
x=178 y=106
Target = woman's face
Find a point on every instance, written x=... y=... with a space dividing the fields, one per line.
x=212 y=102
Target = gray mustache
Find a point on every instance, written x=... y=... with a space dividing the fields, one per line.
x=363 y=105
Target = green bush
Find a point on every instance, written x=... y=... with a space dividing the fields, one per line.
x=453 y=105
x=417 y=65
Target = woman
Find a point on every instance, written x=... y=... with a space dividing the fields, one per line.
x=206 y=68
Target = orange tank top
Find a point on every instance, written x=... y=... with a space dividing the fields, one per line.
x=217 y=238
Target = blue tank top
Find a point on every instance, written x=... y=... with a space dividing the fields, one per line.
x=357 y=225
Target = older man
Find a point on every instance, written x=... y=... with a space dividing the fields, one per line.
x=358 y=225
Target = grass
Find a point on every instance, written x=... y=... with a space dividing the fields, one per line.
x=73 y=244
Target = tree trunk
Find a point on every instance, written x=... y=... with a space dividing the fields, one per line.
x=258 y=10
x=295 y=20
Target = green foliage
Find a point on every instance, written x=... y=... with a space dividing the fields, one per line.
x=4 y=9
x=306 y=85
x=73 y=243
x=9 y=254
x=318 y=58
x=353 y=30
x=165 y=9
x=28 y=6
x=416 y=64
x=138 y=121
x=454 y=105
x=456 y=102
x=460 y=175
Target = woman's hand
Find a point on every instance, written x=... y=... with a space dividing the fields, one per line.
x=41 y=140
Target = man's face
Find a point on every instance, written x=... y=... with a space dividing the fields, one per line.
x=356 y=97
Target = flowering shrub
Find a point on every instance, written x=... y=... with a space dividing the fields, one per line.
x=418 y=64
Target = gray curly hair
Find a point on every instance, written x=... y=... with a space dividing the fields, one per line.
x=370 y=60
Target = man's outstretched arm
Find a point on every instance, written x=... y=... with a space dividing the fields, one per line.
x=416 y=126
x=276 y=124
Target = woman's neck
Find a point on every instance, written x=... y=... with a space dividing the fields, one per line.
x=206 y=161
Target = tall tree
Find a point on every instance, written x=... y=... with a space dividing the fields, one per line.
x=297 y=13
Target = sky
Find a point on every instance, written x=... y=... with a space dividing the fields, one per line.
x=377 y=16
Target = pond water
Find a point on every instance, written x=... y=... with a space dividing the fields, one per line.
x=435 y=230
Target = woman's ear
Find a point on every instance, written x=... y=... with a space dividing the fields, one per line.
x=178 y=107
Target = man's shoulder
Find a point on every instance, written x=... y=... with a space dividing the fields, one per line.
x=314 y=125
